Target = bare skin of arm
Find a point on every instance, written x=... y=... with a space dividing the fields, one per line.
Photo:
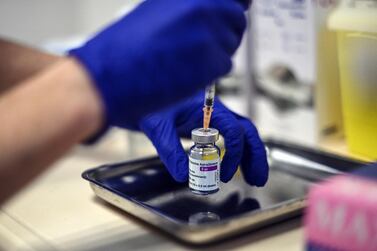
x=43 y=117
x=19 y=62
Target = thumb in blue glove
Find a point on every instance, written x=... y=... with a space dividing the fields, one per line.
x=163 y=51
x=242 y=142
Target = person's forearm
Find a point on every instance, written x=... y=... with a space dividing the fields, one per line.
x=18 y=62
x=41 y=119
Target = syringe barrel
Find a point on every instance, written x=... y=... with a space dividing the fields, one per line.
x=209 y=95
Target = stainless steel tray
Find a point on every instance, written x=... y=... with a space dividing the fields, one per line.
x=144 y=189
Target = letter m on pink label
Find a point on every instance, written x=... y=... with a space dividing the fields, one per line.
x=342 y=214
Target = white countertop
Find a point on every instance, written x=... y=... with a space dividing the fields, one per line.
x=59 y=211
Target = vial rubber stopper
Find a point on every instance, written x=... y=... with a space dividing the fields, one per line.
x=205 y=136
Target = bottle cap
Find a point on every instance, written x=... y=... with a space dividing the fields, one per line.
x=205 y=136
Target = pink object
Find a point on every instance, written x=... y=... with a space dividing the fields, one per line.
x=342 y=214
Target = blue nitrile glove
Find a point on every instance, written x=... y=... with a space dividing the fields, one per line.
x=161 y=52
x=242 y=142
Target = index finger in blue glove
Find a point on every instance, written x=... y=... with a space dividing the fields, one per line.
x=233 y=15
x=163 y=134
x=225 y=26
x=254 y=164
x=233 y=134
x=231 y=38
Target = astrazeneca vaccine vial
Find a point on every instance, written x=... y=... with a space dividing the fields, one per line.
x=204 y=162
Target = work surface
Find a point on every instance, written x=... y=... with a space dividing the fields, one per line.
x=59 y=211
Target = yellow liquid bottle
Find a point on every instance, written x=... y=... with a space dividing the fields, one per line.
x=356 y=25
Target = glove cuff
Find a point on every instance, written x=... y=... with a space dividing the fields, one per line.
x=93 y=68
x=93 y=65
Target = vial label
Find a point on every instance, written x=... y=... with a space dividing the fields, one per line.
x=204 y=175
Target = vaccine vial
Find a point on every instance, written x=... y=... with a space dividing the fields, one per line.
x=204 y=162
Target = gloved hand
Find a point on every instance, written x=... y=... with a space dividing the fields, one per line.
x=242 y=142
x=163 y=51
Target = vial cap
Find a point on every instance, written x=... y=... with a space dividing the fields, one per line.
x=205 y=136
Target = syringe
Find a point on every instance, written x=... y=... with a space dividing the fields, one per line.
x=208 y=105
